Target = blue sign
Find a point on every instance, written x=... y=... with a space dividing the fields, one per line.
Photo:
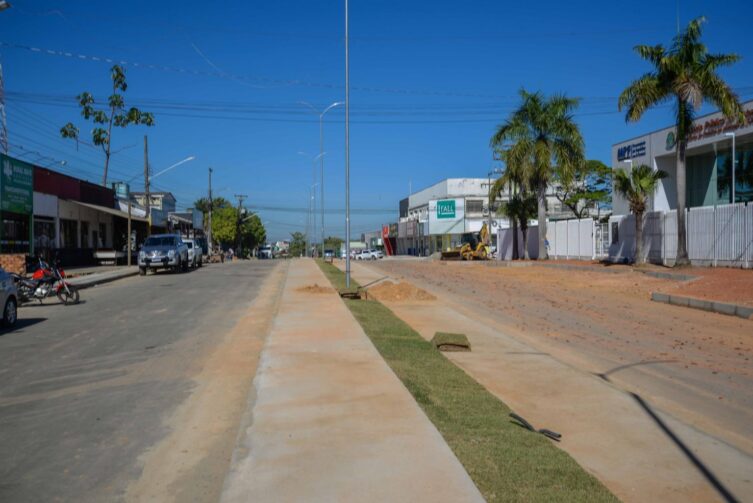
x=631 y=151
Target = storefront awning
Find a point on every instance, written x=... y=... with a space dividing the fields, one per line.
x=111 y=211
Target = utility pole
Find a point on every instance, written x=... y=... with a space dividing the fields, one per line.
x=3 y=123
x=129 y=231
x=209 y=230
x=147 y=196
x=240 y=198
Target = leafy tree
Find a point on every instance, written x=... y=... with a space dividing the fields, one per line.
x=253 y=232
x=687 y=75
x=297 y=244
x=636 y=187
x=542 y=134
x=333 y=243
x=590 y=186
x=118 y=116
x=202 y=204
x=225 y=225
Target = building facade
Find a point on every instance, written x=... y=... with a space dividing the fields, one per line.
x=709 y=164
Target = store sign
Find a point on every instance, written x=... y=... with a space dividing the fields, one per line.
x=446 y=216
x=446 y=208
x=631 y=151
x=16 y=186
x=711 y=128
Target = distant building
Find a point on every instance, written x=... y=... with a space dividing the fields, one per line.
x=435 y=218
x=161 y=204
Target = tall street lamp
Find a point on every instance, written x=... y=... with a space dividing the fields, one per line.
x=312 y=215
x=734 y=161
x=347 y=153
x=321 y=159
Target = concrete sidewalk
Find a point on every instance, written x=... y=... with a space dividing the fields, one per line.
x=331 y=422
x=96 y=278
x=607 y=431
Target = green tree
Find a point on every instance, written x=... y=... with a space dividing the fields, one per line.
x=590 y=186
x=253 y=232
x=297 y=244
x=225 y=225
x=541 y=134
x=333 y=243
x=686 y=74
x=118 y=116
x=636 y=186
x=202 y=204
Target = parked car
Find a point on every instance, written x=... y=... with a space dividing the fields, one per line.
x=8 y=299
x=163 y=251
x=365 y=255
x=377 y=253
x=265 y=252
x=195 y=255
x=329 y=253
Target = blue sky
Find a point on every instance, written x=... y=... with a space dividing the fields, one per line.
x=430 y=80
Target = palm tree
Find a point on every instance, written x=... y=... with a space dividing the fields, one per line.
x=542 y=134
x=687 y=74
x=636 y=187
x=521 y=207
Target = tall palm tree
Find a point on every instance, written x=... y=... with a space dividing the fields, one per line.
x=687 y=74
x=636 y=187
x=542 y=134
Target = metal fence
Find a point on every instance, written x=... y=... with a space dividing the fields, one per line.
x=716 y=236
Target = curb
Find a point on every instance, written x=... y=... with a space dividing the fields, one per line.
x=744 y=312
x=97 y=279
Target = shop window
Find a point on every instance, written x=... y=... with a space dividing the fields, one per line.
x=68 y=229
x=474 y=206
x=15 y=233
x=44 y=235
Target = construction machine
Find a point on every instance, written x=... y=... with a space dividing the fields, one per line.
x=473 y=246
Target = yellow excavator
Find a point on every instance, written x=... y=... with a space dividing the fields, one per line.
x=474 y=246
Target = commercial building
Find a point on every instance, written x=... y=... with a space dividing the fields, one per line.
x=708 y=162
x=435 y=218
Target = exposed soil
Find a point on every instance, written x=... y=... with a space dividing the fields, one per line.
x=396 y=292
x=688 y=361
x=315 y=288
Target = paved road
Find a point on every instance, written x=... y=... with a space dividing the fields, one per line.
x=85 y=390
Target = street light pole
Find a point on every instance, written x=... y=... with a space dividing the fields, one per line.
x=734 y=161
x=347 y=154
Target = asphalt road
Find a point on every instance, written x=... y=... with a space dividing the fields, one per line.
x=84 y=390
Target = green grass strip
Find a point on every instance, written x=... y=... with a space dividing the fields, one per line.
x=505 y=461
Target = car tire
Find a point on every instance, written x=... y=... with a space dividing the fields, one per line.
x=10 y=312
x=142 y=271
x=184 y=266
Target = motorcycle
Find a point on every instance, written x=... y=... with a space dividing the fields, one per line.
x=46 y=281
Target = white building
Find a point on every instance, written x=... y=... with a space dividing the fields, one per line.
x=708 y=162
x=435 y=218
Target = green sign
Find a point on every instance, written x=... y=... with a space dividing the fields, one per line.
x=670 y=143
x=446 y=208
x=16 y=186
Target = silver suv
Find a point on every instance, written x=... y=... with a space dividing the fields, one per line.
x=163 y=251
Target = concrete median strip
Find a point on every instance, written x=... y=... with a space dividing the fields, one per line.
x=744 y=312
x=331 y=421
